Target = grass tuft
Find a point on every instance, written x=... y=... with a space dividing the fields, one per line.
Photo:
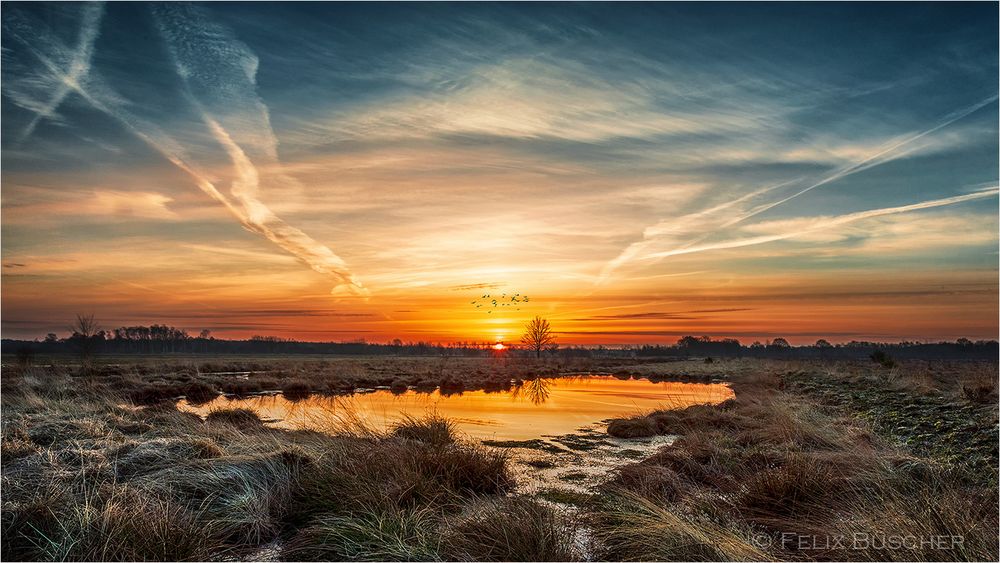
x=431 y=429
x=371 y=535
x=510 y=529
x=246 y=419
x=296 y=389
x=632 y=428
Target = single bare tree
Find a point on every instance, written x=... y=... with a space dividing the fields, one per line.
x=538 y=335
x=85 y=335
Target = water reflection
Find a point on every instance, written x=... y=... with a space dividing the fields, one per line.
x=535 y=390
x=528 y=410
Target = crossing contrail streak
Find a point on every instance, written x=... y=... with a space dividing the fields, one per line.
x=686 y=224
x=827 y=223
x=871 y=160
x=208 y=46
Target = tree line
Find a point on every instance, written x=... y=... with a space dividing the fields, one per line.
x=88 y=339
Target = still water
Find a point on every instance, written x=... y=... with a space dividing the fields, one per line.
x=536 y=408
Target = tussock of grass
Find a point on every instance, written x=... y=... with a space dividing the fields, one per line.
x=510 y=529
x=160 y=453
x=634 y=528
x=373 y=535
x=431 y=429
x=364 y=473
x=983 y=392
x=296 y=389
x=650 y=481
x=104 y=524
x=633 y=428
x=17 y=448
x=245 y=497
x=45 y=432
x=129 y=525
x=246 y=419
x=199 y=392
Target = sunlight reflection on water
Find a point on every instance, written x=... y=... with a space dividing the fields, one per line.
x=536 y=408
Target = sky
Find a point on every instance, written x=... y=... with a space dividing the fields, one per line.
x=340 y=171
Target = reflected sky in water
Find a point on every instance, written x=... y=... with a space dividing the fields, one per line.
x=536 y=408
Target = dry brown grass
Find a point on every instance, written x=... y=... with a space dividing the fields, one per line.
x=510 y=529
x=772 y=474
x=86 y=477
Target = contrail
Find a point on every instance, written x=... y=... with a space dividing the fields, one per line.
x=78 y=68
x=872 y=160
x=253 y=214
x=827 y=224
x=682 y=225
x=74 y=70
x=260 y=219
x=650 y=234
x=219 y=74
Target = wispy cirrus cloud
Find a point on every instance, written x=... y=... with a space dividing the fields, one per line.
x=46 y=92
x=684 y=233
x=823 y=223
x=219 y=72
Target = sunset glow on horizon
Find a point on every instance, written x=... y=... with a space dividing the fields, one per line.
x=641 y=174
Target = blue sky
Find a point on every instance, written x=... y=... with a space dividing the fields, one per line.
x=651 y=157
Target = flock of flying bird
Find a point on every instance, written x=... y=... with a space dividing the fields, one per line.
x=493 y=303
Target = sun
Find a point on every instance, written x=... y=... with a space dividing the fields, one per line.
x=499 y=346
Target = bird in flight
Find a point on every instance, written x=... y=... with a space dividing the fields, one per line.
x=513 y=301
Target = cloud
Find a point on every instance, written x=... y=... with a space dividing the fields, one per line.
x=678 y=315
x=235 y=313
x=881 y=156
x=890 y=233
x=718 y=333
x=42 y=205
x=823 y=223
x=525 y=97
x=219 y=72
x=136 y=204
x=685 y=232
x=491 y=285
x=73 y=66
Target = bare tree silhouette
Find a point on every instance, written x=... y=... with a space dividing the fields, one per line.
x=85 y=332
x=538 y=335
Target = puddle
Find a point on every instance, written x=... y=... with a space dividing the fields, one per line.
x=535 y=410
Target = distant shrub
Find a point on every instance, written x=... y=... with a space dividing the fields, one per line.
x=983 y=392
x=883 y=359
x=25 y=356
x=296 y=389
x=200 y=392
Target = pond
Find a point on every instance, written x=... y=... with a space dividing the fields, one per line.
x=535 y=409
